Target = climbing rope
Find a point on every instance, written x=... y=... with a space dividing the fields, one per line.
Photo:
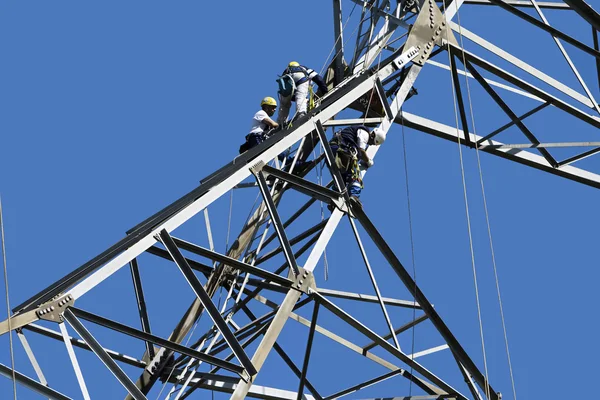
x=412 y=246
x=10 y=339
x=464 y=183
x=487 y=217
x=338 y=39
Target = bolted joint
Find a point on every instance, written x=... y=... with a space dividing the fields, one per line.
x=52 y=311
x=256 y=168
x=304 y=281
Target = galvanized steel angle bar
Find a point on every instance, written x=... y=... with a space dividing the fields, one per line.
x=302 y=185
x=585 y=11
x=309 y=341
x=510 y=113
x=195 y=265
x=301 y=374
x=374 y=283
x=578 y=157
x=387 y=346
x=103 y=355
x=459 y=99
x=363 y=385
x=427 y=387
x=519 y=156
x=529 y=69
x=74 y=361
x=141 y=303
x=118 y=327
x=509 y=124
x=206 y=301
x=277 y=224
x=470 y=57
x=398 y=331
x=300 y=237
x=568 y=59
x=226 y=260
x=32 y=384
x=368 y=298
x=31 y=357
x=553 y=31
x=83 y=345
x=427 y=307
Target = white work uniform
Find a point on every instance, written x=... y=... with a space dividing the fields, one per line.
x=362 y=139
x=300 y=96
x=258 y=126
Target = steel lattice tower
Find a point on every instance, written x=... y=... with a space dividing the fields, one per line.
x=395 y=41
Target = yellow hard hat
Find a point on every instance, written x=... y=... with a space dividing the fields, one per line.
x=268 y=101
x=293 y=64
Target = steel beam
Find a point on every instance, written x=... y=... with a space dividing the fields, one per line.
x=521 y=3
x=115 y=326
x=374 y=282
x=141 y=302
x=511 y=123
x=578 y=157
x=488 y=46
x=365 y=384
x=519 y=156
x=32 y=384
x=412 y=287
x=32 y=358
x=213 y=255
x=206 y=301
x=508 y=111
x=459 y=97
x=300 y=237
x=272 y=209
x=309 y=188
x=74 y=361
x=368 y=298
x=553 y=31
x=597 y=48
x=83 y=345
x=398 y=331
x=344 y=316
x=586 y=12
x=157 y=251
x=338 y=33
x=309 y=341
x=103 y=355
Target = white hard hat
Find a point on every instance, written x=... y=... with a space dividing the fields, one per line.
x=379 y=136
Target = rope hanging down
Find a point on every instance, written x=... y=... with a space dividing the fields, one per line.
x=467 y=212
x=487 y=217
x=412 y=247
x=10 y=339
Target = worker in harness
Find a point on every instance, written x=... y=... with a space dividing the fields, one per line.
x=349 y=147
x=261 y=124
x=294 y=85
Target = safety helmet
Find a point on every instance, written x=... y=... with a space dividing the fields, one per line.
x=293 y=64
x=268 y=101
x=379 y=136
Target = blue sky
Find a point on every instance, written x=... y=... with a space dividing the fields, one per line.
x=112 y=111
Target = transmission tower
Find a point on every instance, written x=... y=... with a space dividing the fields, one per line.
x=269 y=288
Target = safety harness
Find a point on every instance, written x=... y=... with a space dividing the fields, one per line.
x=345 y=145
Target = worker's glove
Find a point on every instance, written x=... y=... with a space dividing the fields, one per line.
x=322 y=91
x=368 y=164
